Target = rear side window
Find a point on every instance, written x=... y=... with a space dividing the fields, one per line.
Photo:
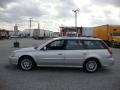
x=94 y=44
x=74 y=45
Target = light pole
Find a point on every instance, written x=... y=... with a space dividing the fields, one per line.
x=39 y=29
x=16 y=43
x=30 y=26
x=75 y=11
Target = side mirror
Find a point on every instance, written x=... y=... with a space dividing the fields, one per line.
x=44 y=48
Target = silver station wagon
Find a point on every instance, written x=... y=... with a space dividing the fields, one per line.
x=89 y=53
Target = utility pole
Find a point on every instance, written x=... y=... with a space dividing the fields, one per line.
x=75 y=11
x=16 y=43
x=39 y=28
x=30 y=26
x=38 y=25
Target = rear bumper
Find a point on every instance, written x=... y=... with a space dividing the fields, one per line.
x=13 y=60
x=107 y=62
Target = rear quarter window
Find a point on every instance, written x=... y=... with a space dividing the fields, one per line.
x=94 y=44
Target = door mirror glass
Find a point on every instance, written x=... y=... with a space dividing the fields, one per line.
x=44 y=48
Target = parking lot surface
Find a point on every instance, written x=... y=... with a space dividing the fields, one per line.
x=46 y=78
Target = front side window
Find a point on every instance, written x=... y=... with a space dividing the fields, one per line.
x=55 y=45
x=94 y=44
x=74 y=45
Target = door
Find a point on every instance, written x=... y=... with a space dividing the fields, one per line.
x=52 y=54
x=74 y=52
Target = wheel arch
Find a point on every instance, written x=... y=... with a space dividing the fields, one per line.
x=26 y=56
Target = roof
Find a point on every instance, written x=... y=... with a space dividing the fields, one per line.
x=85 y=38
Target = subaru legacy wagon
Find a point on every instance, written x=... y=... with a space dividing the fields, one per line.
x=89 y=53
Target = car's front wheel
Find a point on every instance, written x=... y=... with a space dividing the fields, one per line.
x=91 y=66
x=26 y=64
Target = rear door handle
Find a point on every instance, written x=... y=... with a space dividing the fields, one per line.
x=84 y=53
x=60 y=54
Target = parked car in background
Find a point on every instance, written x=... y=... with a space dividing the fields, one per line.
x=14 y=36
x=89 y=53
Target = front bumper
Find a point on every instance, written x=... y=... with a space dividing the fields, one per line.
x=13 y=60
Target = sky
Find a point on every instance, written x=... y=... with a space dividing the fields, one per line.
x=51 y=14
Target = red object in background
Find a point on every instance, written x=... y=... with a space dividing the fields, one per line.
x=64 y=33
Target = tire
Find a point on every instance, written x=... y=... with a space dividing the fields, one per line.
x=26 y=63
x=91 y=66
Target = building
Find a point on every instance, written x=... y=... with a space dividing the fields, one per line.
x=40 y=33
x=87 y=31
x=56 y=34
x=4 y=34
x=71 y=31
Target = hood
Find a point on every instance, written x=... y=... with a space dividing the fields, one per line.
x=25 y=49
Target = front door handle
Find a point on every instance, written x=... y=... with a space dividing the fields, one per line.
x=60 y=54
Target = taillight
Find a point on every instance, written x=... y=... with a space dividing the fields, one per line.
x=110 y=50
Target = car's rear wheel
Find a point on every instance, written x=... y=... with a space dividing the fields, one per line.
x=26 y=64
x=91 y=66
